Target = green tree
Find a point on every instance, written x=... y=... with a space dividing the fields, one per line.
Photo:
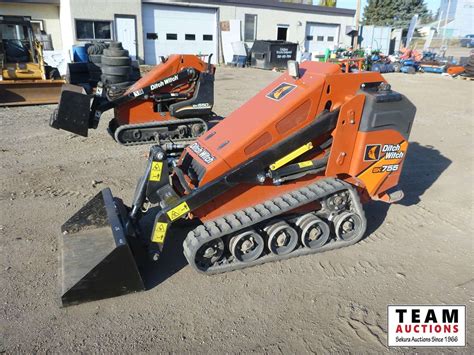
x=395 y=13
x=305 y=2
x=430 y=17
x=329 y=3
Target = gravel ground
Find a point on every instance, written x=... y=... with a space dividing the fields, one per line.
x=417 y=252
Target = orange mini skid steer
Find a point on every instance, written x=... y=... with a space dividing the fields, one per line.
x=171 y=105
x=284 y=175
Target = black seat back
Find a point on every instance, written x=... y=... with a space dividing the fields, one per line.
x=202 y=101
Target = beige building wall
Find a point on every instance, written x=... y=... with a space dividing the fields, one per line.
x=99 y=10
x=269 y=18
x=46 y=12
x=60 y=21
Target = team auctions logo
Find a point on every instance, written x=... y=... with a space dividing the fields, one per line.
x=426 y=325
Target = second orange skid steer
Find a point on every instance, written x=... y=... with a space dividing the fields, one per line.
x=285 y=175
x=171 y=105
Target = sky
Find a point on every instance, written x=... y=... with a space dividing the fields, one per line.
x=351 y=4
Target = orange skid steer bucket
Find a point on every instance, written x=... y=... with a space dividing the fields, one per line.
x=96 y=260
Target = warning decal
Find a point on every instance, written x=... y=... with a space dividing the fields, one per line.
x=155 y=172
x=160 y=232
x=178 y=211
x=305 y=164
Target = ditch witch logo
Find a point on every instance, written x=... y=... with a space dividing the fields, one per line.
x=392 y=151
x=372 y=152
x=281 y=91
x=426 y=326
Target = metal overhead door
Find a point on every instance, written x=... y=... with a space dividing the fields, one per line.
x=320 y=36
x=178 y=30
x=376 y=38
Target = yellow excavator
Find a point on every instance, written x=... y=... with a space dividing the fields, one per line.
x=25 y=79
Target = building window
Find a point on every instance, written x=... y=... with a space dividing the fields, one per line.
x=250 y=28
x=90 y=29
x=309 y=38
x=172 y=36
x=151 y=35
x=282 y=32
x=189 y=37
x=320 y=38
x=330 y=39
x=37 y=26
x=207 y=37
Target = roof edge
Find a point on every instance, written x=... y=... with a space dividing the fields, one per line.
x=46 y=2
x=267 y=4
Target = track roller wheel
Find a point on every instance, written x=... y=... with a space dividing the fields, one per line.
x=197 y=129
x=182 y=131
x=348 y=226
x=336 y=202
x=282 y=238
x=314 y=231
x=246 y=246
x=210 y=253
x=137 y=134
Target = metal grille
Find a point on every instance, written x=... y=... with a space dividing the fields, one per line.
x=198 y=170
x=193 y=169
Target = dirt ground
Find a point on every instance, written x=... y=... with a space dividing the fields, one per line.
x=419 y=251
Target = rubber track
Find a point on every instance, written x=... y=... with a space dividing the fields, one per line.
x=269 y=209
x=187 y=140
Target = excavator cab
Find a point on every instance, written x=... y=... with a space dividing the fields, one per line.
x=20 y=57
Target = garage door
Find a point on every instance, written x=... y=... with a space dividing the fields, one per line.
x=320 y=36
x=178 y=30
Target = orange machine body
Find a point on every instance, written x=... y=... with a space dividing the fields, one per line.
x=282 y=109
x=455 y=70
x=143 y=111
x=285 y=175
